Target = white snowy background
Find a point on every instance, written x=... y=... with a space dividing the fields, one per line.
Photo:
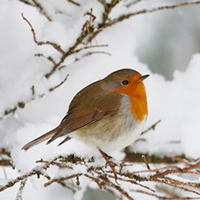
x=173 y=87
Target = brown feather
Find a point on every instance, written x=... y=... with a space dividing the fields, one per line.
x=88 y=106
x=40 y=139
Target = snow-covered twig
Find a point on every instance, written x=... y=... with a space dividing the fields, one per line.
x=36 y=4
x=164 y=197
x=104 y=178
x=151 y=127
x=23 y=177
x=75 y=3
x=57 y=47
x=53 y=88
x=21 y=188
x=106 y=22
x=22 y=104
x=165 y=7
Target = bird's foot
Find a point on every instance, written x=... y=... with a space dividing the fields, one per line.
x=110 y=163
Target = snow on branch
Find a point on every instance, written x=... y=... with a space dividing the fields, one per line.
x=106 y=21
x=57 y=47
x=23 y=103
x=164 y=7
x=37 y=5
x=104 y=177
x=87 y=29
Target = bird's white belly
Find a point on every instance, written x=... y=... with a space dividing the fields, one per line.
x=122 y=141
x=112 y=143
x=113 y=132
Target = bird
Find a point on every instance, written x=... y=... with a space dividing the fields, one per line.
x=108 y=114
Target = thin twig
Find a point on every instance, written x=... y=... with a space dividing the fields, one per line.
x=89 y=28
x=164 y=197
x=41 y=10
x=51 y=89
x=21 y=188
x=13 y=182
x=119 y=189
x=133 y=3
x=94 y=52
x=60 y=165
x=175 y=185
x=165 y=7
x=5 y=162
x=87 y=47
x=152 y=127
x=54 y=45
x=60 y=180
x=146 y=162
x=178 y=159
x=48 y=58
x=27 y=2
x=75 y=3
x=106 y=22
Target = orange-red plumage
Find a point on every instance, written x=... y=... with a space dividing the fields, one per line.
x=137 y=95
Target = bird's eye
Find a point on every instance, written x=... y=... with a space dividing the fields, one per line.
x=125 y=82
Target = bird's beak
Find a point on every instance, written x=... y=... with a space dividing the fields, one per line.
x=143 y=77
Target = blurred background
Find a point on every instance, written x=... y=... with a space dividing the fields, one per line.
x=167 y=39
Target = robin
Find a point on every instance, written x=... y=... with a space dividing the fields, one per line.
x=108 y=114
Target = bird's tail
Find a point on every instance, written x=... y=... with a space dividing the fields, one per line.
x=40 y=139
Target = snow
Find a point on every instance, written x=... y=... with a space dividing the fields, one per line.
x=177 y=105
x=175 y=102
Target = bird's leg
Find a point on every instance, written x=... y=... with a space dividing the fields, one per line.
x=105 y=155
x=111 y=164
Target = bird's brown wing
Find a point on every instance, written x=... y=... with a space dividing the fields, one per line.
x=87 y=108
